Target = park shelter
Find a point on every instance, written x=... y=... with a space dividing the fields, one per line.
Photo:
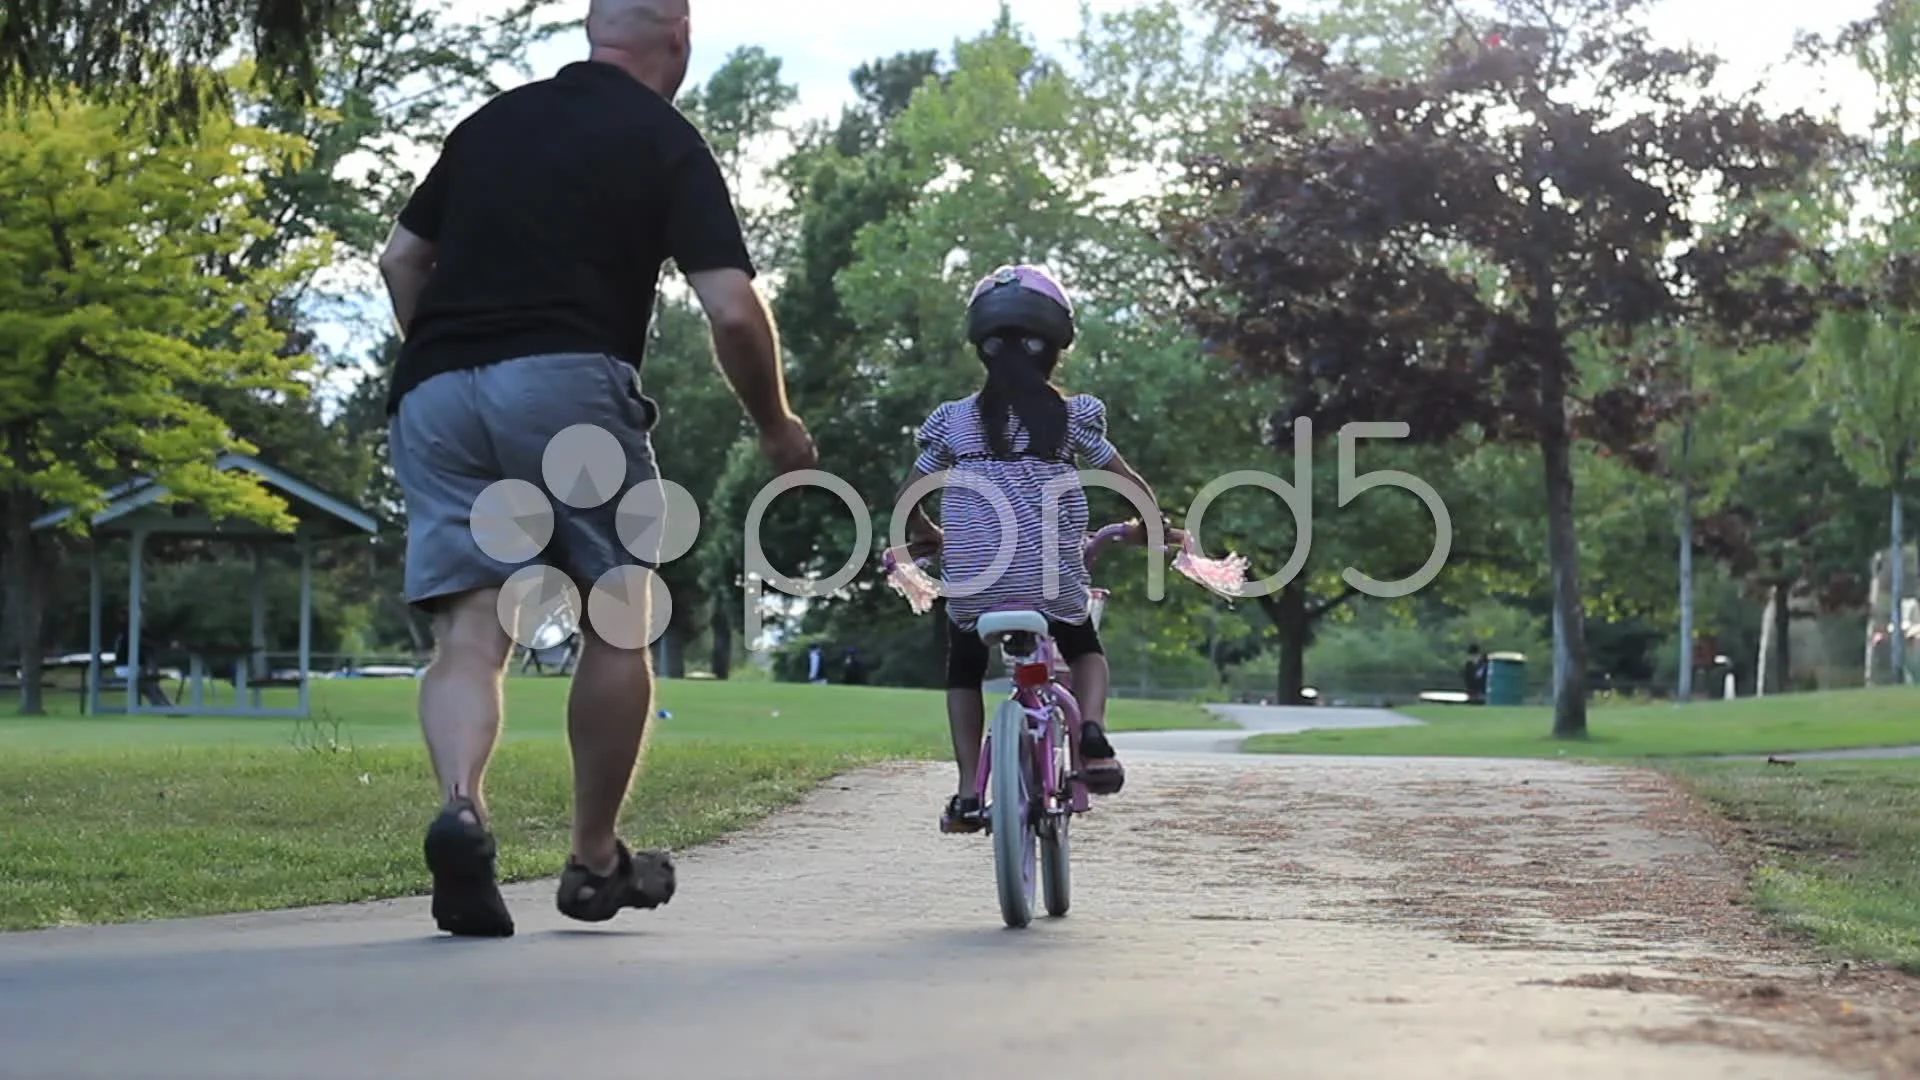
x=140 y=509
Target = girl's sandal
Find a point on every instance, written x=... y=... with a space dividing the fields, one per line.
x=963 y=815
x=1099 y=770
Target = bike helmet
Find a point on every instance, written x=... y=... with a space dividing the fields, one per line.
x=1021 y=301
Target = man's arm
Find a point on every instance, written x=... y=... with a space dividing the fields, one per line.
x=413 y=246
x=744 y=343
x=405 y=266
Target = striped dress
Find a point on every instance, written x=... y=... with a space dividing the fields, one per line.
x=952 y=439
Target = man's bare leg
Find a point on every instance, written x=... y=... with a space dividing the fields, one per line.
x=460 y=718
x=607 y=711
x=460 y=709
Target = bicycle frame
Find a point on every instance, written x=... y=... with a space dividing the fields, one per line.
x=1042 y=685
x=1043 y=689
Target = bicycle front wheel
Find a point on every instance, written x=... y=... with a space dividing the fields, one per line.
x=1010 y=814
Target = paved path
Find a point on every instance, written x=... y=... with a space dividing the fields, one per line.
x=1256 y=720
x=1235 y=916
x=1864 y=753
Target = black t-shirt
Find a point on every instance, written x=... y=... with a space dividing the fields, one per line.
x=552 y=209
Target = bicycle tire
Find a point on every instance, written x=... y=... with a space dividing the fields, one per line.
x=1056 y=851
x=1009 y=814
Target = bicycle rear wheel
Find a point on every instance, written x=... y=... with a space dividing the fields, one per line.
x=1056 y=870
x=1009 y=813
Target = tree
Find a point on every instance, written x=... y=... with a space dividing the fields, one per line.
x=1870 y=368
x=1439 y=247
x=1868 y=358
x=1012 y=155
x=161 y=50
x=1733 y=406
x=1804 y=529
x=841 y=178
x=959 y=186
x=113 y=303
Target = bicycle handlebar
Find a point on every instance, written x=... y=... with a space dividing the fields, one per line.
x=1091 y=546
x=1223 y=576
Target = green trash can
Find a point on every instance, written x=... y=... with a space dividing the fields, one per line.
x=1506 y=678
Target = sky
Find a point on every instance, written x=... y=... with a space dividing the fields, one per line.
x=821 y=41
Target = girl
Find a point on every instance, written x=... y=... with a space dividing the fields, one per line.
x=1017 y=436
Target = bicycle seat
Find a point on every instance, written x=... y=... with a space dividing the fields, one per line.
x=1008 y=622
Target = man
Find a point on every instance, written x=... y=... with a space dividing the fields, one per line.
x=522 y=273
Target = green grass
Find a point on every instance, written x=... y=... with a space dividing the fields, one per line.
x=380 y=712
x=1834 y=720
x=118 y=819
x=1842 y=843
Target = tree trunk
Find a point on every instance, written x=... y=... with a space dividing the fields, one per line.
x=1213 y=646
x=1288 y=610
x=670 y=654
x=1563 y=554
x=1763 y=677
x=1781 y=602
x=1684 y=693
x=721 y=626
x=1897 y=631
x=1873 y=611
x=27 y=601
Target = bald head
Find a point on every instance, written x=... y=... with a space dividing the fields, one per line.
x=647 y=38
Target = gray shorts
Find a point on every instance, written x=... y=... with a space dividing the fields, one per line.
x=461 y=431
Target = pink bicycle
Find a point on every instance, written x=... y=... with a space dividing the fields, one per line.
x=1028 y=778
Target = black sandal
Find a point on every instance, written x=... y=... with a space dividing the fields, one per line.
x=645 y=880
x=1099 y=770
x=466 y=890
x=963 y=815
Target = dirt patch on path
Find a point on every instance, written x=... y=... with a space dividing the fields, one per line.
x=1614 y=869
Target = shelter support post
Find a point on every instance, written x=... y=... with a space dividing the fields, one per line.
x=257 y=654
x=306 y=623
x=136 y=584
x=94 y=592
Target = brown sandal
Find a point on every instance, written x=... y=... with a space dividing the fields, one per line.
x=963 y=815
x=462 y=857
x=645 y=880
x=1099 y=769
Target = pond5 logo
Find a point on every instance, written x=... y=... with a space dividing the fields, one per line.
x=655 y=521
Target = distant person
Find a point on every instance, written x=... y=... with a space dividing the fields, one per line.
x=1473 y=673
x=853 y=672
x=816 y=665
x=522 y=273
